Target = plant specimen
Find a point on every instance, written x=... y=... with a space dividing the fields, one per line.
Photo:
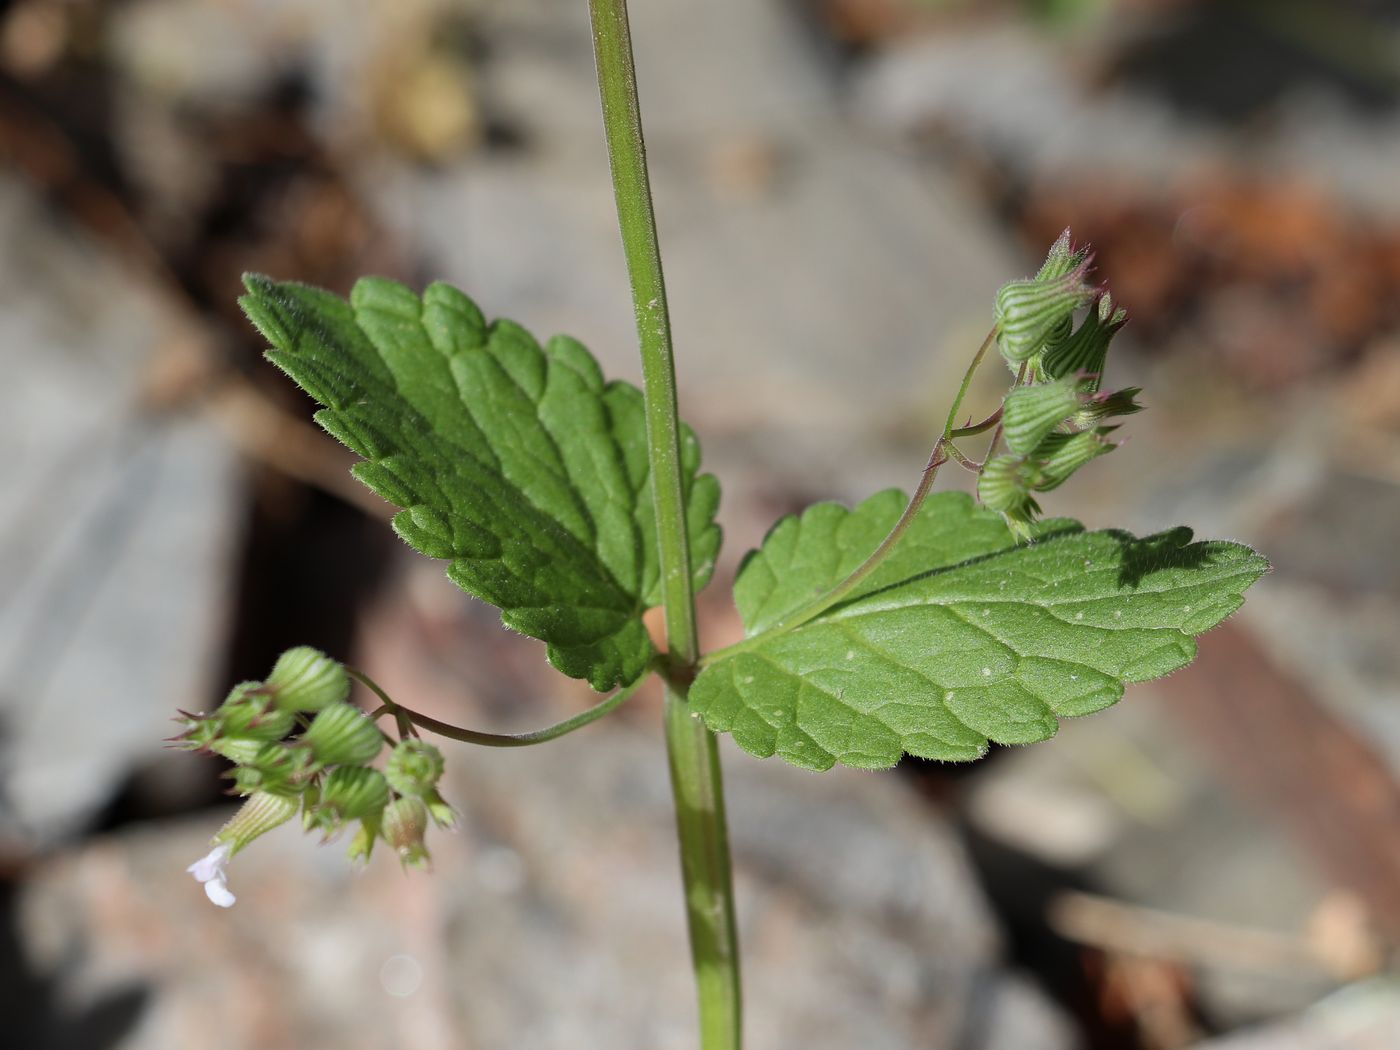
x=930 y=625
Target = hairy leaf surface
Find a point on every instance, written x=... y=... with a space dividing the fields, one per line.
x=514 y=461
x=961 y=637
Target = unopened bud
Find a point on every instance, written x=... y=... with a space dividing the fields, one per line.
x=249 y=712
x=1105 y=406
x=1062 y=258
x=238 y=750
x=274 y=768
x=306 y=679
x=1029 y=314
x=1031 y=413
x=1086 y=349
x=1005 y=484
x=349 y=793
x=405 y=824
x=200 y=731
x=1060 y=455
x=342 y=734
x=414 y=767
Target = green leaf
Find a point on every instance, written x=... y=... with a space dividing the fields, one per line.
x=515 y=462
x=960 y=637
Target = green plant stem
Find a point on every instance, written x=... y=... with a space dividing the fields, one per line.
x=692 y=750
x=404 y=715
x=936 y=459
x=978 y=428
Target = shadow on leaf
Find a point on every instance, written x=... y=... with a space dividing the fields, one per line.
x=1172 y=549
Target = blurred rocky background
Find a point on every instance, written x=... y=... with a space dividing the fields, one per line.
x=841 y=186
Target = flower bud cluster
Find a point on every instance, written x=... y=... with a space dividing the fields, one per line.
x=298 y=745
x=1054 y=423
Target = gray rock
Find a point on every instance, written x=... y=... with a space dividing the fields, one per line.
x=116 y=526
x=1041 y=118
x=1364 y=1017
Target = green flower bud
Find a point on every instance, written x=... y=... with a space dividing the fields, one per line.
x=349 y=793
x=1005 y=485
x=1062 y=258
x=1030 y=313
x=342 y=734
x=275 y=768
x=1060 y=455
x=249 y=712
x=414 y=767
x=1031 y=413
x=1105 y=406
x=238 y=750
x=1086 y=349
x=200 y=732
x=257 y=816
x=405 y=823
x=306 y=679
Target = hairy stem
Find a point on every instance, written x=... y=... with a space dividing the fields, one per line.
x=978 y=428
x=404 y=716
x=692 y=749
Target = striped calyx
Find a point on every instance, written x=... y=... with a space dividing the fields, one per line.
x=1085 y=349
x=261 y=813
x=306 y=679
x=349 y=793
x=342 y=734
x=1036 y=313
x=1062 y=258
x=1060 y=455
x=1032 y=413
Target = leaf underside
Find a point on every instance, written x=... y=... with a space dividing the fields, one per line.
x=514 y=461
x=961 y=637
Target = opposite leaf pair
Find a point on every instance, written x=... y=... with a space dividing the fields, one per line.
x=518 y=464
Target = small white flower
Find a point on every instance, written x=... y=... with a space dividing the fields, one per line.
x=212 y=870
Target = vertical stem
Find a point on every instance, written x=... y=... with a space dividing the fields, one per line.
x=692 y=750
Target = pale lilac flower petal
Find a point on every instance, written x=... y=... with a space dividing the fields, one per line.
x=217 y=891
x=212 y=870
